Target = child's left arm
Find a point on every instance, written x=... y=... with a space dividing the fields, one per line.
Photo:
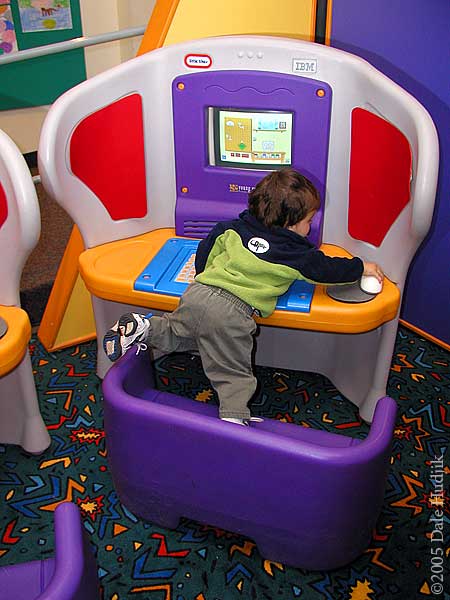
x=205 y=247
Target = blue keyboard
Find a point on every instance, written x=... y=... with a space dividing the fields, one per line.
x=173 y=269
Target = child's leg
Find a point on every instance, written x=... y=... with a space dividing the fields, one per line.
x=172 y=332
x=130 y=330
x=225 y=343
x=177 y=331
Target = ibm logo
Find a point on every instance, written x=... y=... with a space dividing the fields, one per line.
x=304 y=65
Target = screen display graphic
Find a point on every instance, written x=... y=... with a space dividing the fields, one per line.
x=252 y=139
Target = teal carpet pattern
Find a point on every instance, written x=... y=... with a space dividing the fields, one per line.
x=140 y=560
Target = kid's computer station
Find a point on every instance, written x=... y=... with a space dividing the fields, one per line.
x=169 y=143
x=159 y=149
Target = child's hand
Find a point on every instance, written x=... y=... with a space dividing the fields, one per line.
x=373 y=269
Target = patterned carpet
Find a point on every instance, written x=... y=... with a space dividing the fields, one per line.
x=197 y=562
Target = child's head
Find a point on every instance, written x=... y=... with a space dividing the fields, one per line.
x=283 y=199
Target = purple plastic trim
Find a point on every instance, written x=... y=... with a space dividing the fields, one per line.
x=210 y=197
x=70 y=575
x=308 y=498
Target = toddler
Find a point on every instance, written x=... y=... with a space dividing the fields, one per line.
x=242 y=267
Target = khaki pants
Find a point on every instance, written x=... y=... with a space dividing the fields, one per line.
x=220 y=327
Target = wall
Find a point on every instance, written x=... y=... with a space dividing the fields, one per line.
x=133 y=13
x=408 y=41
x=101 y=16
x=196 y=19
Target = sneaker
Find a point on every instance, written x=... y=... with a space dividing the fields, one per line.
x=130 y=330
x=236 y=421
x=245 y=422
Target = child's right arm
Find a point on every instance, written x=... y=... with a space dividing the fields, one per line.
x=374 y=270
x=317 y=267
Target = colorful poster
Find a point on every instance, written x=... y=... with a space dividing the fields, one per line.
x=8 y=42
x=45 y=15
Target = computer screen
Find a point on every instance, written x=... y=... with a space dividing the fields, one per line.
x=250 y=139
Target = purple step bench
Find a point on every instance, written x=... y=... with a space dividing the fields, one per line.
x=307 y=498
x=70 y=575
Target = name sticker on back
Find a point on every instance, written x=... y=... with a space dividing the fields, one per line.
x=258 y=245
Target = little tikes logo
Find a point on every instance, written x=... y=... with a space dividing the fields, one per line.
x=258 y=245
x=198 y=61
x=235 y=187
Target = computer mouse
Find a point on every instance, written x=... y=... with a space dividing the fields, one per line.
x=370 y=284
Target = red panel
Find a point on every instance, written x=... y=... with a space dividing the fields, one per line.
x=107 y=154
x=3 y=206
x=380 y=172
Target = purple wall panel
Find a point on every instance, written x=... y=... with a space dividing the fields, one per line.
x=408 y=41
x=209 y=194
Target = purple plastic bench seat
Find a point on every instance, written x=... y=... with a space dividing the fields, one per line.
x=26 y=580
x=307 y=498
x=70 y=575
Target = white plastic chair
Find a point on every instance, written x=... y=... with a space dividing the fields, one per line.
x=20 y=419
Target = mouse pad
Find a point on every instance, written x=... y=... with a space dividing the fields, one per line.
x=349 y=293
x=3 y=327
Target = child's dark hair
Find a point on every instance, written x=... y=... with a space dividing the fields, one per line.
x=283 y=198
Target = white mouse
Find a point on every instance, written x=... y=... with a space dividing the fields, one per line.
x=370 y=284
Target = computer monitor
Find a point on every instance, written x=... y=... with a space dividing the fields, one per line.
x=250 y=139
